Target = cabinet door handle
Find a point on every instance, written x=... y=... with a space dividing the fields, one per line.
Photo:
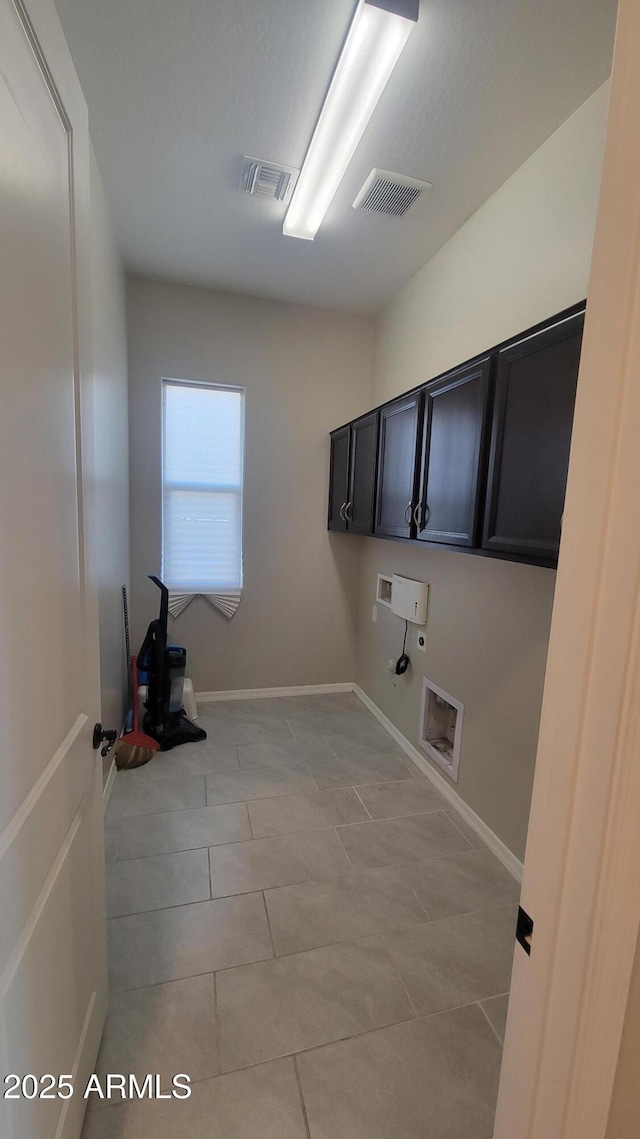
x=342 y=512
x=407 y=511
x=416 y=514
x=347 y=512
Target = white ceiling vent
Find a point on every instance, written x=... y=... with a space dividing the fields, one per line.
x=268 y=179
x=387 y=193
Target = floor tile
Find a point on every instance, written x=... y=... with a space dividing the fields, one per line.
x=332 y=771
x=496 y=1009
x=259 y=1103
x=472 y=837
x=407 y=797
x=134 y=796
x=373 y=740
x=320 y=913
x=202 y=758
x=110 y=844
x=163 y=1029
x=165 y=945
x=462 y=884
x=455 y=960
x=283 y=754
x=328 y=720
x=179 y=830
x=311 y=809
x=158 y=882
x=297 y=1002
x=259 y=708
x=234 y=729
x=347 y=700
x=387 y=842
x=243 y=867
x=422 y=912
x=332 y=721
x=260 y=784
x=435 y=1078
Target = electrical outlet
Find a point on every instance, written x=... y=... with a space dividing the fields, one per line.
x=421 y=640
x=374 y=612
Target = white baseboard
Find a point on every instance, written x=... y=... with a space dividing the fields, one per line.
x=496 y=845
x=263 y=693
x=108 y=785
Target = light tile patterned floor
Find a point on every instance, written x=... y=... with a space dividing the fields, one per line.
x=300 y=922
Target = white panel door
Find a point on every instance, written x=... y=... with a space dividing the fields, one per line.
x=52 y=916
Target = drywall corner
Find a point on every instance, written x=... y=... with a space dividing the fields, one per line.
x=111 y=448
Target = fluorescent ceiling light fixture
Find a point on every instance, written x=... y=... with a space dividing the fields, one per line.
x=379 y=30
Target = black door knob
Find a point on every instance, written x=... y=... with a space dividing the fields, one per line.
x=100 y=734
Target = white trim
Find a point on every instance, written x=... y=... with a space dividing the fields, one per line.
x=496 y=845
x=264 y=693
x=39 y=905
x=12 y=828
x=108 y=785
x=77 y=1061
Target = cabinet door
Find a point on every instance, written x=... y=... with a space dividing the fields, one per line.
x=531 y=436
x=400 y=426
x=453 y=435
x=362 y=480
x=339 y=478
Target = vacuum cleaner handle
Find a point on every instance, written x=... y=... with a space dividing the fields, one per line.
x=164 y=603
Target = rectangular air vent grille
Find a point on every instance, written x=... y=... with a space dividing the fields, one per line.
x=267 y=179
x=387 y=193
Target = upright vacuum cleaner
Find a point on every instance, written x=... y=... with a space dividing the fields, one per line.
x=165 y=665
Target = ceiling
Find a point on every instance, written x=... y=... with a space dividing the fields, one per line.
x=180 y=90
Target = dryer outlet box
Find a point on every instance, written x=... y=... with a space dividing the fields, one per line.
x=409 y=599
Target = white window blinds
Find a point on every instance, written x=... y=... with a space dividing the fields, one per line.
x=202 y=462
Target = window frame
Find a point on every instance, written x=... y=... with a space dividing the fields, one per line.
x=228 y=488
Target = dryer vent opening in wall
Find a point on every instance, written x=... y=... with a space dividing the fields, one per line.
x=441 y=727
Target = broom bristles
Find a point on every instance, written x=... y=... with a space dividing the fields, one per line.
x=135 y=749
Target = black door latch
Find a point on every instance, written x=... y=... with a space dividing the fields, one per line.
x=524 y=930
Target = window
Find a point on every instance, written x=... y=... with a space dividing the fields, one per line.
x=202 y=460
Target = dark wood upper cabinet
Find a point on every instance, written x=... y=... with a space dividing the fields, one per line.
x=531 y=436
x=339 y=478
x=362 y=474
x=352 y=477
x=400 y=426
x=455 y=421
x=476 y=459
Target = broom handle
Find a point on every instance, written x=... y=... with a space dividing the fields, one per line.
x=134 y=671
x=127 y=644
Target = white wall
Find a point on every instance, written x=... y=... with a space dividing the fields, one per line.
x=112 y=448
x=523 y=256
x=305 y=370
